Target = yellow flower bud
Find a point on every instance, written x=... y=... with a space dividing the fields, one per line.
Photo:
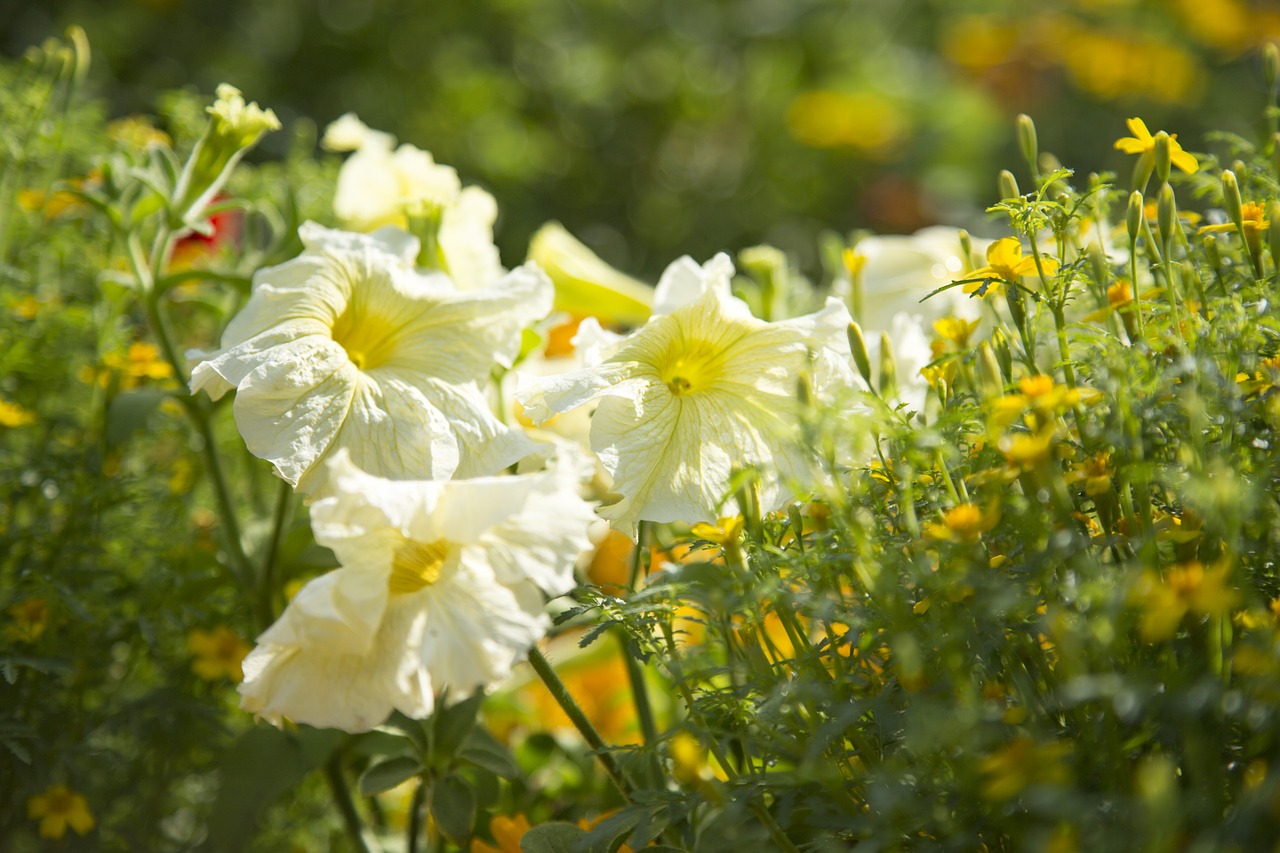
x=1231 y=199
x=858 y=344
x=1166 y=213
x=1008 y=185
x=1164 y=156
x=1270 y=65
x=1133 y=218
x=888 y=367
x=1027 y=140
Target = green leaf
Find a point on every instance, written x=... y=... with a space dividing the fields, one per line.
x=263 y=764
x=385 y=775
x=552 y=838
x=128 y=413
x=454 y=807
x=450 y=726
x=483 y=750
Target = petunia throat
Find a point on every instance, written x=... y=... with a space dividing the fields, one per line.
x=691 y=368
x=416 y=565
x=368 y=340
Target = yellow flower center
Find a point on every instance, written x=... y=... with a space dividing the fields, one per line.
x=416 y=565
x=368 y=340
x=691 y=368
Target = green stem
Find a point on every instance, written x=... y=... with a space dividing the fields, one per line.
x=266 y=591
x=414 y=832
x=571 y=709
x=346 y=805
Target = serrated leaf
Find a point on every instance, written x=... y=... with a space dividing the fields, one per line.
x=552 y=838
x=594 y=634
x=483 y=751
x=454 y=807
x=385 y=775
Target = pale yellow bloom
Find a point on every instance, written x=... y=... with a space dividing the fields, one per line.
x=58 y=808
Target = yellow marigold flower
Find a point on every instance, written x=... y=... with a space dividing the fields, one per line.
x=1186 y=589
x=1143 y=143
x=1020 y=764
x=945 y=372
x=853 y=261
x=689 y=763
x=136 y=132
x=962 y=523
x=27 y=620
x=1094 y=472
x=13 y=415
x=1151 y=211
x=1005 y=263
x=1119 y=294
x=1253 y=218
x=1026 y=451
x=956 y=331
x=506 y=832
x=56 y=809
x=218 y=654
x=725 y=532
x=141 y=361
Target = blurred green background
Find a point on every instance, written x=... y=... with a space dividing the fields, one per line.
x=658 y=127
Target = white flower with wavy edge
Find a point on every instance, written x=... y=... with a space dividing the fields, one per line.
x=348 y=346
x=700 y=389
x=441 y=586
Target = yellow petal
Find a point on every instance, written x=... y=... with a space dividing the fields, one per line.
x=1006 y=252
x=1184 y=161
x=1139 y=129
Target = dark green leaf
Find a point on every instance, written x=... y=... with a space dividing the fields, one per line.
x=484 y=751
x=385 y=775
x=450 y=726
x=454 y=807
x=551 y=838
x=129 y=411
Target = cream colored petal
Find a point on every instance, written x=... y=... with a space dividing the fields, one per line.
x=684 y=281
x=368 y=194
x=392 y=428
x=223 y=370
x=542 y=398
x=340 y=610
x=460 y=337
x=396 y=242
x=466 y=239
x=292 y=404
x=485 y=445
x=353 y=519
x=319 y=686
x=475 y=630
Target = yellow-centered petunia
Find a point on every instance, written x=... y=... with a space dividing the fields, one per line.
x=349 y=346
x=702 y=389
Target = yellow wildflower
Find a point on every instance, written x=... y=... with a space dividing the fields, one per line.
x=13 y=415
x=1144 y=144
x=1094 y=472
x=1026 y=451
x=1020 y=764
x=136 y=132
x=506 y=832
x=853 y=261
x=27 y=620
x=1253 y=218
x=218 y=653
x=142 y=361
x=1119 y=294
x=962 y=523
x=955 y=331
x=56 y=809
x=1182 y=590
x=1005 y=263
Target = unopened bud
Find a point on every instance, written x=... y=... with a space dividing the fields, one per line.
x=1008 y=185
x=1275 y=153
x=888 y=368
x=1211 y=250
x=1273 y=231
x=1004 y=356
x=1164 y=153
x=989 y=372
x=858 y=346
x=1231 y=200
x=1133 y=217
x=966 y=249
x=1270 y=65
x=1027 y=141
x=1166 y=213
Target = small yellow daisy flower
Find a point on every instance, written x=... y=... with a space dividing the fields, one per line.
x=56 y=809
x=1143 y=143
x=218 y=653
x=1005 y=263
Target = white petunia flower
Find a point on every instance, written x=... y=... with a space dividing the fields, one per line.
x=702 y=388
x=378 y=186
x=348 y=346
x=441 y=586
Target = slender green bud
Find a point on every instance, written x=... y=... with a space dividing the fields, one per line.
x=1004 y=356
x=888 y=368
x=1211 y=250
x=79 y=53
x=1133 y=217
x=1273 y=231
x=1027 y=141
x=1164 y=154
x=1239 y=167
x=1231 y=200
x=989 y=372
x=858 y=345
x=1270 y=65
x=797 y=522
x=1008 y=185
x=1166 y=213
x=966 y=250
x=768 y=266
